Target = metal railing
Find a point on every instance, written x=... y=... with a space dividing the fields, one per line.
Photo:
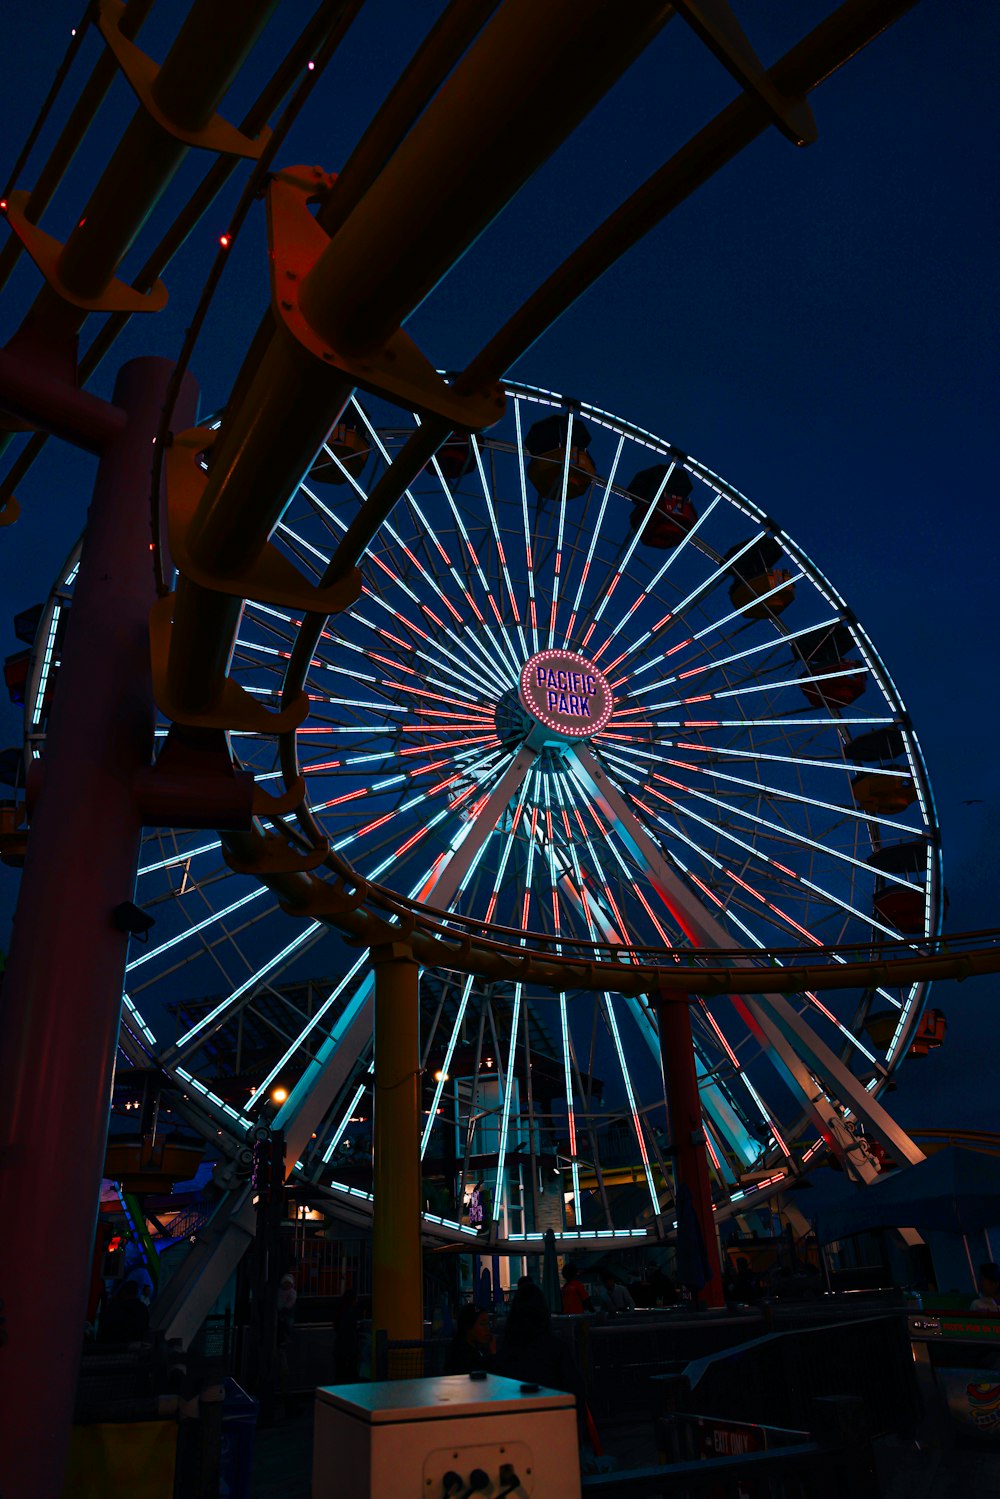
x=830 y=1461
x=778 y=1378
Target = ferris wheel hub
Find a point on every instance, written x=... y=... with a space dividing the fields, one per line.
x=565 y=695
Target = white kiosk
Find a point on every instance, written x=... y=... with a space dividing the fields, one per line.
x=452 y=1437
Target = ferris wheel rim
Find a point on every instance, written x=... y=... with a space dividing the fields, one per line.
x=392 y=902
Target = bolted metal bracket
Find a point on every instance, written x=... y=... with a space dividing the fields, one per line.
x=272 y=578
x=140 y=73
x=194 y=784
x=233 y=708
x=398 y=371
x=326 y=899
x=266 y=805
x=45 y=250
x=274 y=856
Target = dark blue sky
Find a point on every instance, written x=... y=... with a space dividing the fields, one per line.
x=817 y=326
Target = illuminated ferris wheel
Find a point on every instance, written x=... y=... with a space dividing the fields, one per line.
x=588 y=691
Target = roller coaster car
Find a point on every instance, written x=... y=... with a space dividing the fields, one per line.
x=901 y=908
x=546 y=448
x=755 y=576
x=674 y=513
x=883 y=795
x=346 y=443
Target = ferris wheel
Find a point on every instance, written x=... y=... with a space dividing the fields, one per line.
x=589 y=690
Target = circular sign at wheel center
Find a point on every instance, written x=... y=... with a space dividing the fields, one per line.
x=566 y=694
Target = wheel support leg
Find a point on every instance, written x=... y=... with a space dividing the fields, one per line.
x=63 y=986
x=397 y=1269
x=680 y=1081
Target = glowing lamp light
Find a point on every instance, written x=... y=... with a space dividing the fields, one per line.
x=279 y=1095
x=311 y=66
x=440 y=1076
x=224 y=241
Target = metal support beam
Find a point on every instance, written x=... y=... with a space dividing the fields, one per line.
x=451 y=874
x=63 y=987
x=687 y=1131
x=397 y=1269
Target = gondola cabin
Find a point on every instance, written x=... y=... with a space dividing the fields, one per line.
x=350 y=447
x=759 y=588
x=835 y=682
x=666 y=488
x=883 y=795
x=455 y=457
x=901 y=907
x=930 y=1035
x=545 y=445
x=882 y=1026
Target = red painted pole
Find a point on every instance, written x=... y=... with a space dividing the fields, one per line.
x=61 y=1001
x=680 y=1081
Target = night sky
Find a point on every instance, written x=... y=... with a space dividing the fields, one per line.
x=817 y=326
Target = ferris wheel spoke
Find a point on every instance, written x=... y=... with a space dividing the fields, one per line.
x=560 y=530
x=792 y=721
x=307 y=1030
x=563 y=1013
x=194 y=931
x=443 y=1071
x=718 y=663
x=678 y=610
x=451 y=878
x=636 y=840
x=456 y=873
x=744 y=689
x=506 y=653
x=782 y=793
x=718 y=830
x=595 y=532
x=337 y=1058
x=608 y=933
x=498 y=543
x=501 y=658
x=741 y=753
x=528 y=550
x=616 y=568
x=785 y=833
x=770 y=1016
x=408 y=805
x=722 y=1110
x=644 y=593
x=475 y=663
x=182 y=856
x=480 y=657
x=196 y=1036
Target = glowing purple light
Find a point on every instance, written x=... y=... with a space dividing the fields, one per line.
x=566 y=693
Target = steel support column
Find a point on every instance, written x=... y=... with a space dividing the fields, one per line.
x=63 y=986
x=397 y=1270
x=687 y=1131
